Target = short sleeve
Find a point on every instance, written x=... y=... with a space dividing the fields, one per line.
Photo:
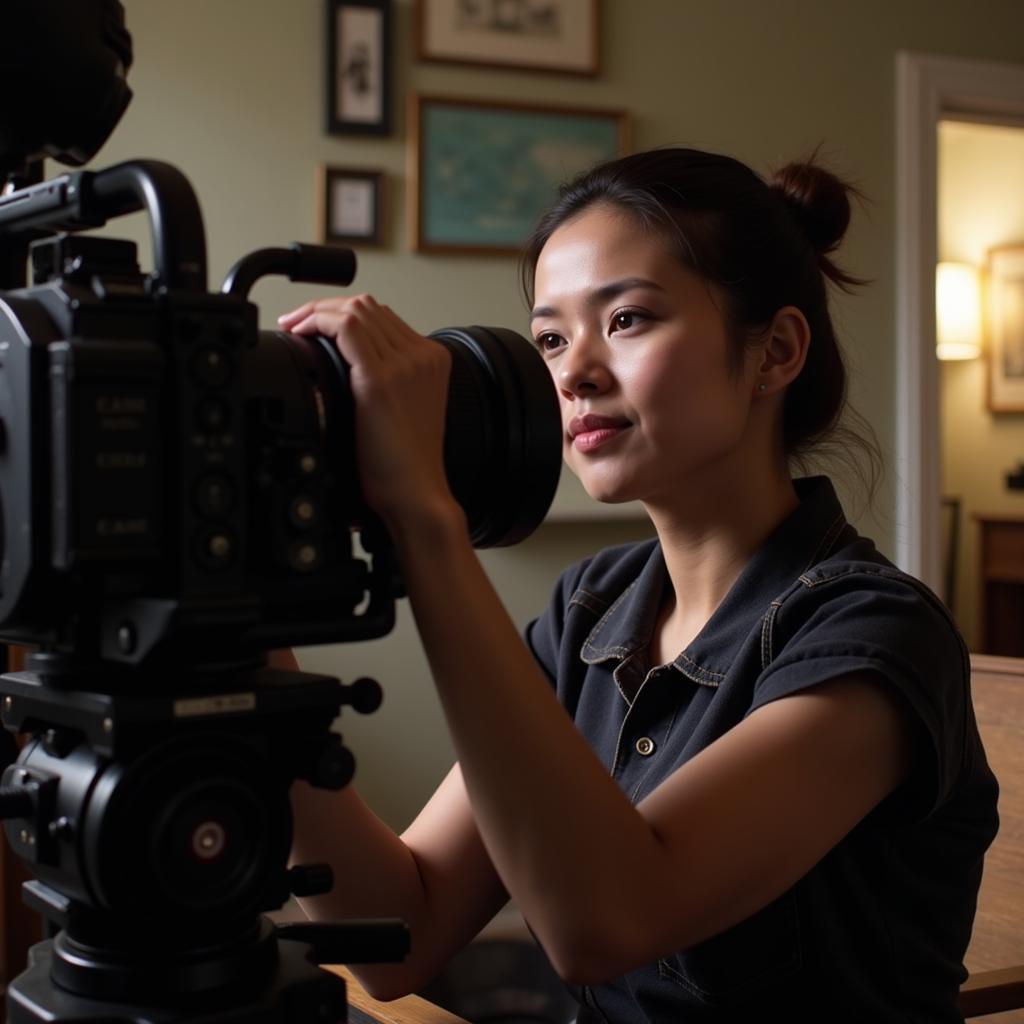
x=879 y=621
x=544 y=634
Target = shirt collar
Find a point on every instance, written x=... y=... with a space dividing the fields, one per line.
x=801 y=540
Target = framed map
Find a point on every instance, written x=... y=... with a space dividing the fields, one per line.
x=483 y=172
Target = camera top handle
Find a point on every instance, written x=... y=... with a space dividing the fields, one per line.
x=311 y=264
x=88 y=199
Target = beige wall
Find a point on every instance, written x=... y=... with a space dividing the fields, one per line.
x=981 y=204
x=232 y=91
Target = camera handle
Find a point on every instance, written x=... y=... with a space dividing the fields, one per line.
x=88 y=199
x=308 y=264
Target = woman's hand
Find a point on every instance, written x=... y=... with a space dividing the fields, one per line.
x=399 y=381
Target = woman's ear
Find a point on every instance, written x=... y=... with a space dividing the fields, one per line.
x=783 y=351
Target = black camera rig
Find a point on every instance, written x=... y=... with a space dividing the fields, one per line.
x=179 y=495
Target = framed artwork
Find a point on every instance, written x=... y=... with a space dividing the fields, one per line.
x=481 y=172
x=359 y=67
x=534 y=35
x=350 y=206
x=1005 y=328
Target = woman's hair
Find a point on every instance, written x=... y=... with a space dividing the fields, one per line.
x=765 y=244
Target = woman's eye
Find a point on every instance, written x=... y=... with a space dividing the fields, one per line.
x=625 y=319
x=548 y=342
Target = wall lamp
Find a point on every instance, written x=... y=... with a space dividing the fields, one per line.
x=957 y=311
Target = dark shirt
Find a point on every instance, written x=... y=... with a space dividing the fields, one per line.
x=876 y=931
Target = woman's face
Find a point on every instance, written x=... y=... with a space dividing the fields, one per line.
x=638 y=348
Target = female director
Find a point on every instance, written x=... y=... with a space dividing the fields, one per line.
x=733 y=773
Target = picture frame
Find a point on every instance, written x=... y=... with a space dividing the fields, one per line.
x=359 y=70
x=481 y=171
x=1004 y=328
x=562 y=36
x=350 y=205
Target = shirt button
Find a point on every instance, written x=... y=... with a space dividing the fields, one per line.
x=645 y=746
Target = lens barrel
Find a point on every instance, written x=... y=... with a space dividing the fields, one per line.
x=502 y=445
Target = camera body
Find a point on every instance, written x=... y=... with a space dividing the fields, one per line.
x=173 y=479
x=167 y=475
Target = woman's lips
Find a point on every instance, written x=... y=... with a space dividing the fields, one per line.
x=591 y=439
x=590 y=432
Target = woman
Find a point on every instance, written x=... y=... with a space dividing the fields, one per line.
x=768 y=799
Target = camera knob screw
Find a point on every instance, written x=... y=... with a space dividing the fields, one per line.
x=62 y=828
x=334 y=766
x=126 y=638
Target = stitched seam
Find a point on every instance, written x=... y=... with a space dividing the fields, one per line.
x=767 y=634
x=618 y=685
x=600 y=653
x=591 y=602
x=833 y=531
x=713 y=678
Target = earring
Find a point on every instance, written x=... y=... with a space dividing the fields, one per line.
x=762 y=387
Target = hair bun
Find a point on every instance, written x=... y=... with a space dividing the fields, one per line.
x=820 y=203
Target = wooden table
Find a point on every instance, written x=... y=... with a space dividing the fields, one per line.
x=408 y=1010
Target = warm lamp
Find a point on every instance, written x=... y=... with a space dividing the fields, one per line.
x=958 y=311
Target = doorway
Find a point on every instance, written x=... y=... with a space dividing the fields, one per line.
x=930 y=90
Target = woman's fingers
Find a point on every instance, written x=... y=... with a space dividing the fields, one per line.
x=353 y=322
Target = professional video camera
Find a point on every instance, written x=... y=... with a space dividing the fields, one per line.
x=178 y=495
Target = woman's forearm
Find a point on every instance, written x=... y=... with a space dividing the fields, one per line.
x=375 y=875
x=436 y=876
x=555 y=826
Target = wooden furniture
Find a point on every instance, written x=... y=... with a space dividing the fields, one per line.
x=407 y=1010
x=1001 y=584
x=995 y=957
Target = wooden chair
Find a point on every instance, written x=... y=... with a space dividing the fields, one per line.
x=994 y=987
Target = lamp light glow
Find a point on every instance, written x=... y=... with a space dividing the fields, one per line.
x=957 y=311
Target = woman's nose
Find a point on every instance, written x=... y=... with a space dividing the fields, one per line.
x=582 y=372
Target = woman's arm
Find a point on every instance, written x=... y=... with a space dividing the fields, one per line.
x=606 y=886
x=437 y=877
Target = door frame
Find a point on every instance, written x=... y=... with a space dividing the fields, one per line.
x=929 y=88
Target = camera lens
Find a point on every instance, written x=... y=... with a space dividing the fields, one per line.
x=502 y=445
x=502 y=433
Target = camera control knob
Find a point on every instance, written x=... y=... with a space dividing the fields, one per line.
x=334 y=765
x=303 y=512
x=211 y=367
x=215 y=548
x=364 y=695
x=304 y=556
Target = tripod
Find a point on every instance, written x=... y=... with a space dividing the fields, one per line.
x=158 y=829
